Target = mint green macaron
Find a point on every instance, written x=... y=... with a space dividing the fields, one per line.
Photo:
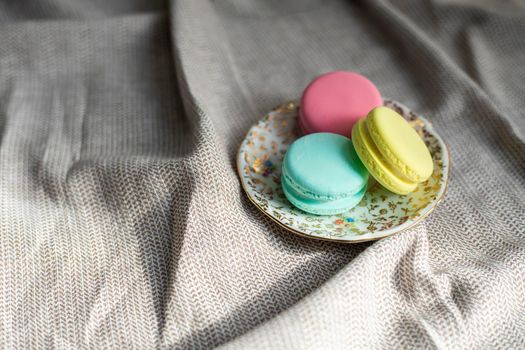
x=323 y=175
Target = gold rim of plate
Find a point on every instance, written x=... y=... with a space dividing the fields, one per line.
x=419 y=121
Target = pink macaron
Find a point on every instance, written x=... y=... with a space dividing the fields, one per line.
x=335 y=101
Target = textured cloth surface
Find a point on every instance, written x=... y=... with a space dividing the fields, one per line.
x=122 y=220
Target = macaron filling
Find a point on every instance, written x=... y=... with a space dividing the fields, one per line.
x=320 y=206
x=309 y=194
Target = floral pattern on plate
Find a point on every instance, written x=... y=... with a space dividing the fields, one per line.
x=381 y=213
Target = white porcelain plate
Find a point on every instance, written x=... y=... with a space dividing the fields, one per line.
x=381 y=213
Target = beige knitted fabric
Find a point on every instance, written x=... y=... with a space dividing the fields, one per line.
x=122 y=220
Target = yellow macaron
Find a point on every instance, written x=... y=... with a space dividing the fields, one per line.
x=392 y=151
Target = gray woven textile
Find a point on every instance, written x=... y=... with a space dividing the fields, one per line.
x=122 y=220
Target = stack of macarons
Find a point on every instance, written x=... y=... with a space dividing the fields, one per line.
x=348 y=135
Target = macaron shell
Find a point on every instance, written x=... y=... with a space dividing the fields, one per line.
x=376 y=163
x=302 y=128
x=324 y=166
x=335 y=101
x=400 y=144
x=321 y=207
